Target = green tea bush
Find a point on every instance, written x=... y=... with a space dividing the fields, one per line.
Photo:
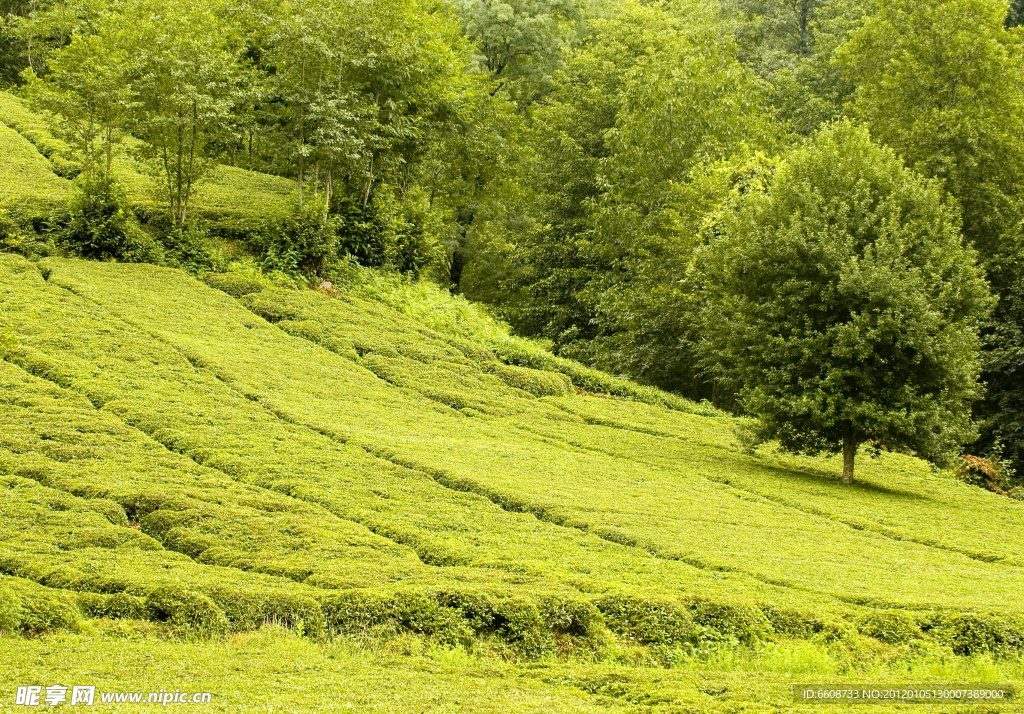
x=523 y=626
x=574 y=618
x=10 y=610
x=807 y=624
x=357 y=612
x=649 y=621
x=894 y=627
x=745 y=623
x=535 y=381
x=42 y=609
x=266 y=306
x=306 y=329
x=249 y=609
x=187 y=612
x=103 y=227
x=969 y=633
x=341 y=346
x=233 y=284
x=119 y=606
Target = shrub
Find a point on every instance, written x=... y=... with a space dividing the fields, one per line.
x=306 y=329
x=806 y=624
x=305 y=242
x=969 y=633
x=10 y=610
x=233 y=284
x=537 y=382
x=745 y=623
x=103 y=227
x=577 y=619
x=41 y=609
x=894 y=627
x=271 y=310
x=389 y=233
x=16 y=237
x=993 y=474
x=11 y=238
x=341 y=346
x=187 y=612
x=119 y=606
x=190 y=248
x=361 y=612
x=649 y=621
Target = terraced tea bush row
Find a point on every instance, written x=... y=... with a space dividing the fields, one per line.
x=457 y=318
x=28 y=186
x=445 y=527
x=547 y=466
x=250 y=448
x=35 y=129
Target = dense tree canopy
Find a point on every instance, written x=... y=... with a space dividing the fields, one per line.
x=847 y=305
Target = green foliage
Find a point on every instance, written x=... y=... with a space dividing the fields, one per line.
x=11 y=237
x=10 y=610
x=191 y=248
x=971 y=633
x=649 y=621
x=102 y=226
x=233 y=284
x=187 y=613
x=536 y=382
x=34 y=610
x=305 y=242
x=847 y=303
x=618 y=143
x=27 y=181
x=521 y=43
x=940 y=83
x=894 y=627
x=62 y=158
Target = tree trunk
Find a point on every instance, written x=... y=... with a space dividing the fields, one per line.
x=849 y=451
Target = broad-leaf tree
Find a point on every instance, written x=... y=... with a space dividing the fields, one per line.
x=87 y=91
x=847 y=305
x=942 y=83
x=186 y=83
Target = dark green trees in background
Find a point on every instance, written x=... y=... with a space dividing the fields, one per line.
x=846 y=304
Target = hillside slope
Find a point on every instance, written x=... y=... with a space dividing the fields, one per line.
x=161 y=425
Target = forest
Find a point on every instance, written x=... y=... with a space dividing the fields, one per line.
x=806 y=211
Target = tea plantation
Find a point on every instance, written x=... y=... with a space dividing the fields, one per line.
x=373 y=498
x=185 y=463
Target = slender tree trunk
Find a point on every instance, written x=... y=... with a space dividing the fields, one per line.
x=110 y=141
x=302 y=159
x=849 y=451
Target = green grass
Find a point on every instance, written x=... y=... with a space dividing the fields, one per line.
x=273 y=670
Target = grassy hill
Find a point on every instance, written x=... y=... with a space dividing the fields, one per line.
x=373 y=498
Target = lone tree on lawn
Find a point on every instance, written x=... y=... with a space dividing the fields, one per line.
x=847 y=304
